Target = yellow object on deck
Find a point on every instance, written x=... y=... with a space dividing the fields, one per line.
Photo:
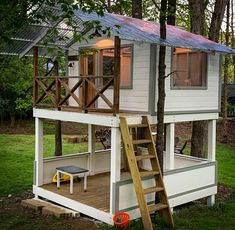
x=63 y=178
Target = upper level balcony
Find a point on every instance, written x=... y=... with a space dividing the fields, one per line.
x=78 y=93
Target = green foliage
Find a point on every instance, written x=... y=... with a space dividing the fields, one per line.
x=16 y=85
x=17 y=14
x=231 y=109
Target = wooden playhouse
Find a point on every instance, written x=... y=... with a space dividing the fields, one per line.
x=119 y=79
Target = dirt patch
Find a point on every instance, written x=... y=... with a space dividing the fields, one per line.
x=184 y=130
x=230 y=132
x=224 y=193
x=12 y=215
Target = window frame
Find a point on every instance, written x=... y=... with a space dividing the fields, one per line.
x=131 y=68
x=188 y=87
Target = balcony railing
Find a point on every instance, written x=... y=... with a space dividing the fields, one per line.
x=57 y=92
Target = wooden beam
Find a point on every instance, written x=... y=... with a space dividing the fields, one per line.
x=116 y=93
x=58 y=84
x=35 y=74
x=99 y=93
x=70 y=92
x=47 y=90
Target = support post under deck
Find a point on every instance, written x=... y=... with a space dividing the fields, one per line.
x=91 y=149
x=170 y=144
x=115 y=169
x=211 y=140
x=211 y=151
x=38 y=171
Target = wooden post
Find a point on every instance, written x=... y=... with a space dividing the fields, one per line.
x=116 y=93
x=35 y=75
x=115 y=169
x=38 y=165
x=58 y=139
x=58 y=85
x=91 y=148
x=170 y=139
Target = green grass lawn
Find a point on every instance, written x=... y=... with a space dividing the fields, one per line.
x=16 y=173
x=17 y=156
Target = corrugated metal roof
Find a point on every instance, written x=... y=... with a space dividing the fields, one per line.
x=42 y=35
x=147 y=31
x=128 y=29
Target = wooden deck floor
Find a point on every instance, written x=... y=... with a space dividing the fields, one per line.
x=97 y=194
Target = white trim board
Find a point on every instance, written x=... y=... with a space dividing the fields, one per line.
x=95 y=119
x=188 y=197
x=186 y=117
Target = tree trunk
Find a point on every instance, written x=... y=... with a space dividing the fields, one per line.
x=197 y=16
x=171 y=12
x=161 y=91
x=216 y=20
x=161 y=86
x=58 y=139
x=108 y=5
x=198 y=138
x=226 y=73
x=197 y=9
x=197 y=19
x=233 y=38
x=12 y=120
x=137 y=9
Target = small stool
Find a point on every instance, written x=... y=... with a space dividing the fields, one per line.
x=71 y=171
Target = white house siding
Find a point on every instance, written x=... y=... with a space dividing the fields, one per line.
x=136 y=98
x=194 y=100
x=177 y=100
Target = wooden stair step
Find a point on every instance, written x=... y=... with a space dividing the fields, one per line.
x=138 y=175
x=145 y=157
x=132 y=126
x=148 y=173
x=153 y=189
x=141 y=141
x=157 y=207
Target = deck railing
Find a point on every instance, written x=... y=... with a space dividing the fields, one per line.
x=84 y=90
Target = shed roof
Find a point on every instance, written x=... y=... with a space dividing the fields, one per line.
x=147 y=31
x=129 y=29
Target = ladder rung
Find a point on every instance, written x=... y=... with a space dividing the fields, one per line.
x=132 y=126
x=141 y=141
x=145 y=157
x=157 y=207
x=148 y=173
x=153 y=189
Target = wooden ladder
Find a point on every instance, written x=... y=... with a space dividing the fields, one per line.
x=130 y=145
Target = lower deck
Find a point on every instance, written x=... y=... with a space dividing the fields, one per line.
x=97 y=194
x=191 y=179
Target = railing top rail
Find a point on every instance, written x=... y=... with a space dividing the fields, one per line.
x=66 y=77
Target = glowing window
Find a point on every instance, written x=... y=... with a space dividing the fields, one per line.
x=189 y=67
x=107 y=65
